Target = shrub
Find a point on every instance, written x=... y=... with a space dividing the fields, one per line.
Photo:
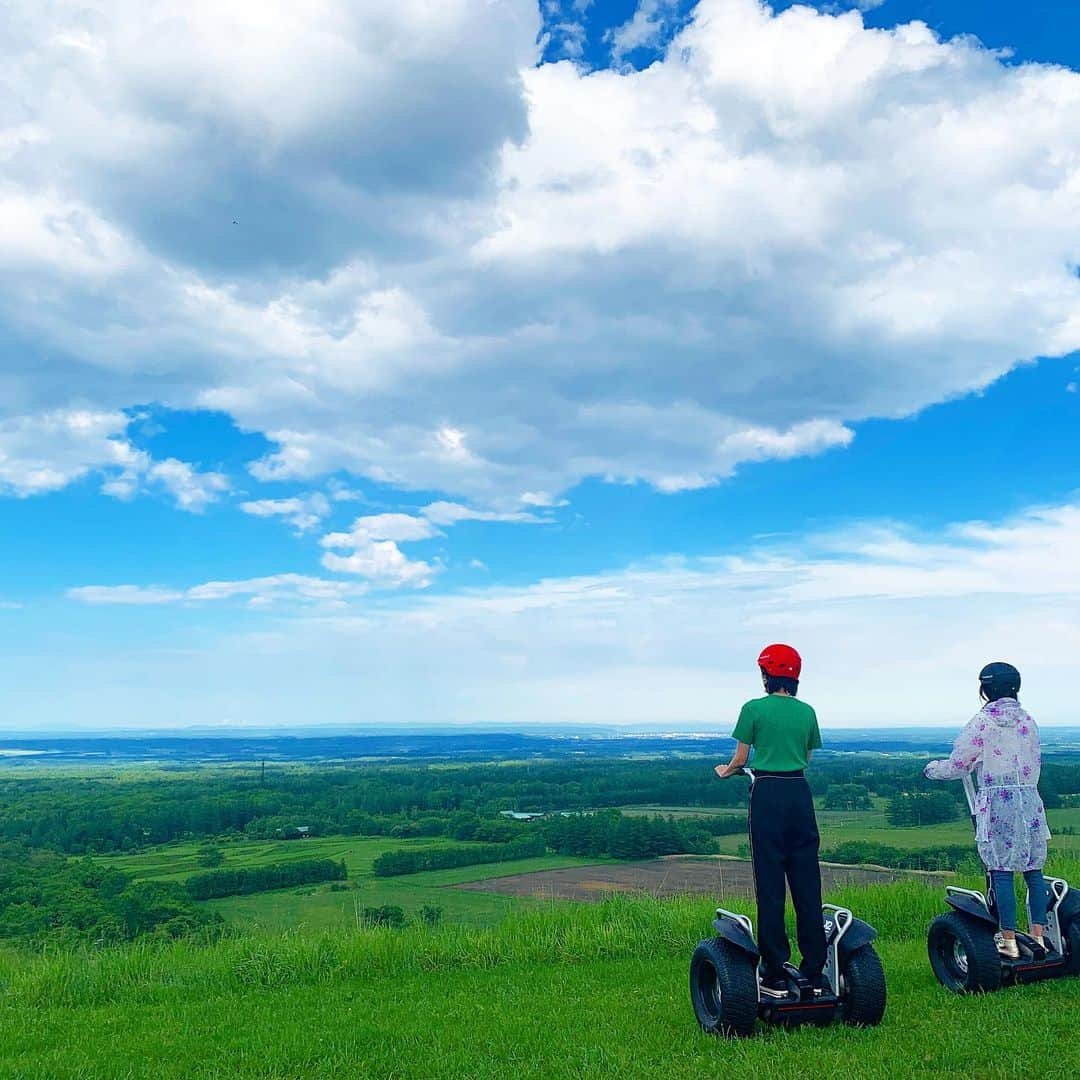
x=430 y=914
x=210 y=856
x=386 y=915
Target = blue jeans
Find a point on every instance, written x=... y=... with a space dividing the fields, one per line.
x=1002 y=884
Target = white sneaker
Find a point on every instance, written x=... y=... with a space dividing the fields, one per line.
x=1007 y=947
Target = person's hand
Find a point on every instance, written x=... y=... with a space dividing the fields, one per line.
x=930 y=772
x=723 y=771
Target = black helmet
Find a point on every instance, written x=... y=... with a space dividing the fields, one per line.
x=999 y=680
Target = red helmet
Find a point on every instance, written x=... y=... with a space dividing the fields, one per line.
x=780 y=660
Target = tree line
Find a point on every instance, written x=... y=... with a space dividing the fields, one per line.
x=942 y=857
x=414 y=860
x=622 y=836
x=605 y=834
x=214 y=884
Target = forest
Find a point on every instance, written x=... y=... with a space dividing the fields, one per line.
x=86 y=814
x=76 y=901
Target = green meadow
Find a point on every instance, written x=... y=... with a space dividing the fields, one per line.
x=563 y=991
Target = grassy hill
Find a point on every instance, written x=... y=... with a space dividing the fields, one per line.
x=566 y=991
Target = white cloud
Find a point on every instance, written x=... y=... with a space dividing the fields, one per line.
x=192 y=490
x=449 y=513
x=382 y=527
x=894 y=627
x=785 y=226
x=259 y=592
x=125 y=594
x=303 y=512
x=372 y=542
x=645 y=29
x=47 y=451
x=374 y=553
x=383 y=563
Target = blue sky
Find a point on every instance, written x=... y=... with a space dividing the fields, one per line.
x=517 y=364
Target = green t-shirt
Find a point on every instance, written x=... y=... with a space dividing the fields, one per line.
x=782 y=730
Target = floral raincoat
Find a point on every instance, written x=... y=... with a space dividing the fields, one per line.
x=1003 y=741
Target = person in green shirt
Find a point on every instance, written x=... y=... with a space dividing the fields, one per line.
x=784 y=842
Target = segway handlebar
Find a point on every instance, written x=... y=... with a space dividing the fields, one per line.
x=743 y=770
x=969 y=791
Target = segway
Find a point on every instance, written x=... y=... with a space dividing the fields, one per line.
x=724 y=977
x=962 y=943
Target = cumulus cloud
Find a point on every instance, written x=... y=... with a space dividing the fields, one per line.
x=786 y=225
x=382 y=562
x=193 y=490
x=47 y=451
x=371 y=543
x=373 y=552
x=303 y=512
x=382 y=527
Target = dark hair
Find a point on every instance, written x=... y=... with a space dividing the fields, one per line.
x=780 y=682
x=994 y=690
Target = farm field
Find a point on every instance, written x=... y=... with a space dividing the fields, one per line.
x=319 y=908
x=315 y=908
x=670 y=876
x=569 y=992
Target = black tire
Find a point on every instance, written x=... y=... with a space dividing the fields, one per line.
x=862 y=988
x=963 y=954
x=1071 y=933
x=723 y=988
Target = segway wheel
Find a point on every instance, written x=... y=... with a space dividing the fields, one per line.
x=963 y=954
x=723 y=988
x=862 y=988
x=1071 y=935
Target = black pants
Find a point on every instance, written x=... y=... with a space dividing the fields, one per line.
x=784 y=843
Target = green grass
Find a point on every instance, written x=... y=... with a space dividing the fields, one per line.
x=569 y=991
x=324 y=910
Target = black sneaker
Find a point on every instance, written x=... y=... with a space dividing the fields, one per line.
x=775 y=986
x=820 y=983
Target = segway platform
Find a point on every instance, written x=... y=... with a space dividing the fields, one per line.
x=728 y=998
x=962 y=947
